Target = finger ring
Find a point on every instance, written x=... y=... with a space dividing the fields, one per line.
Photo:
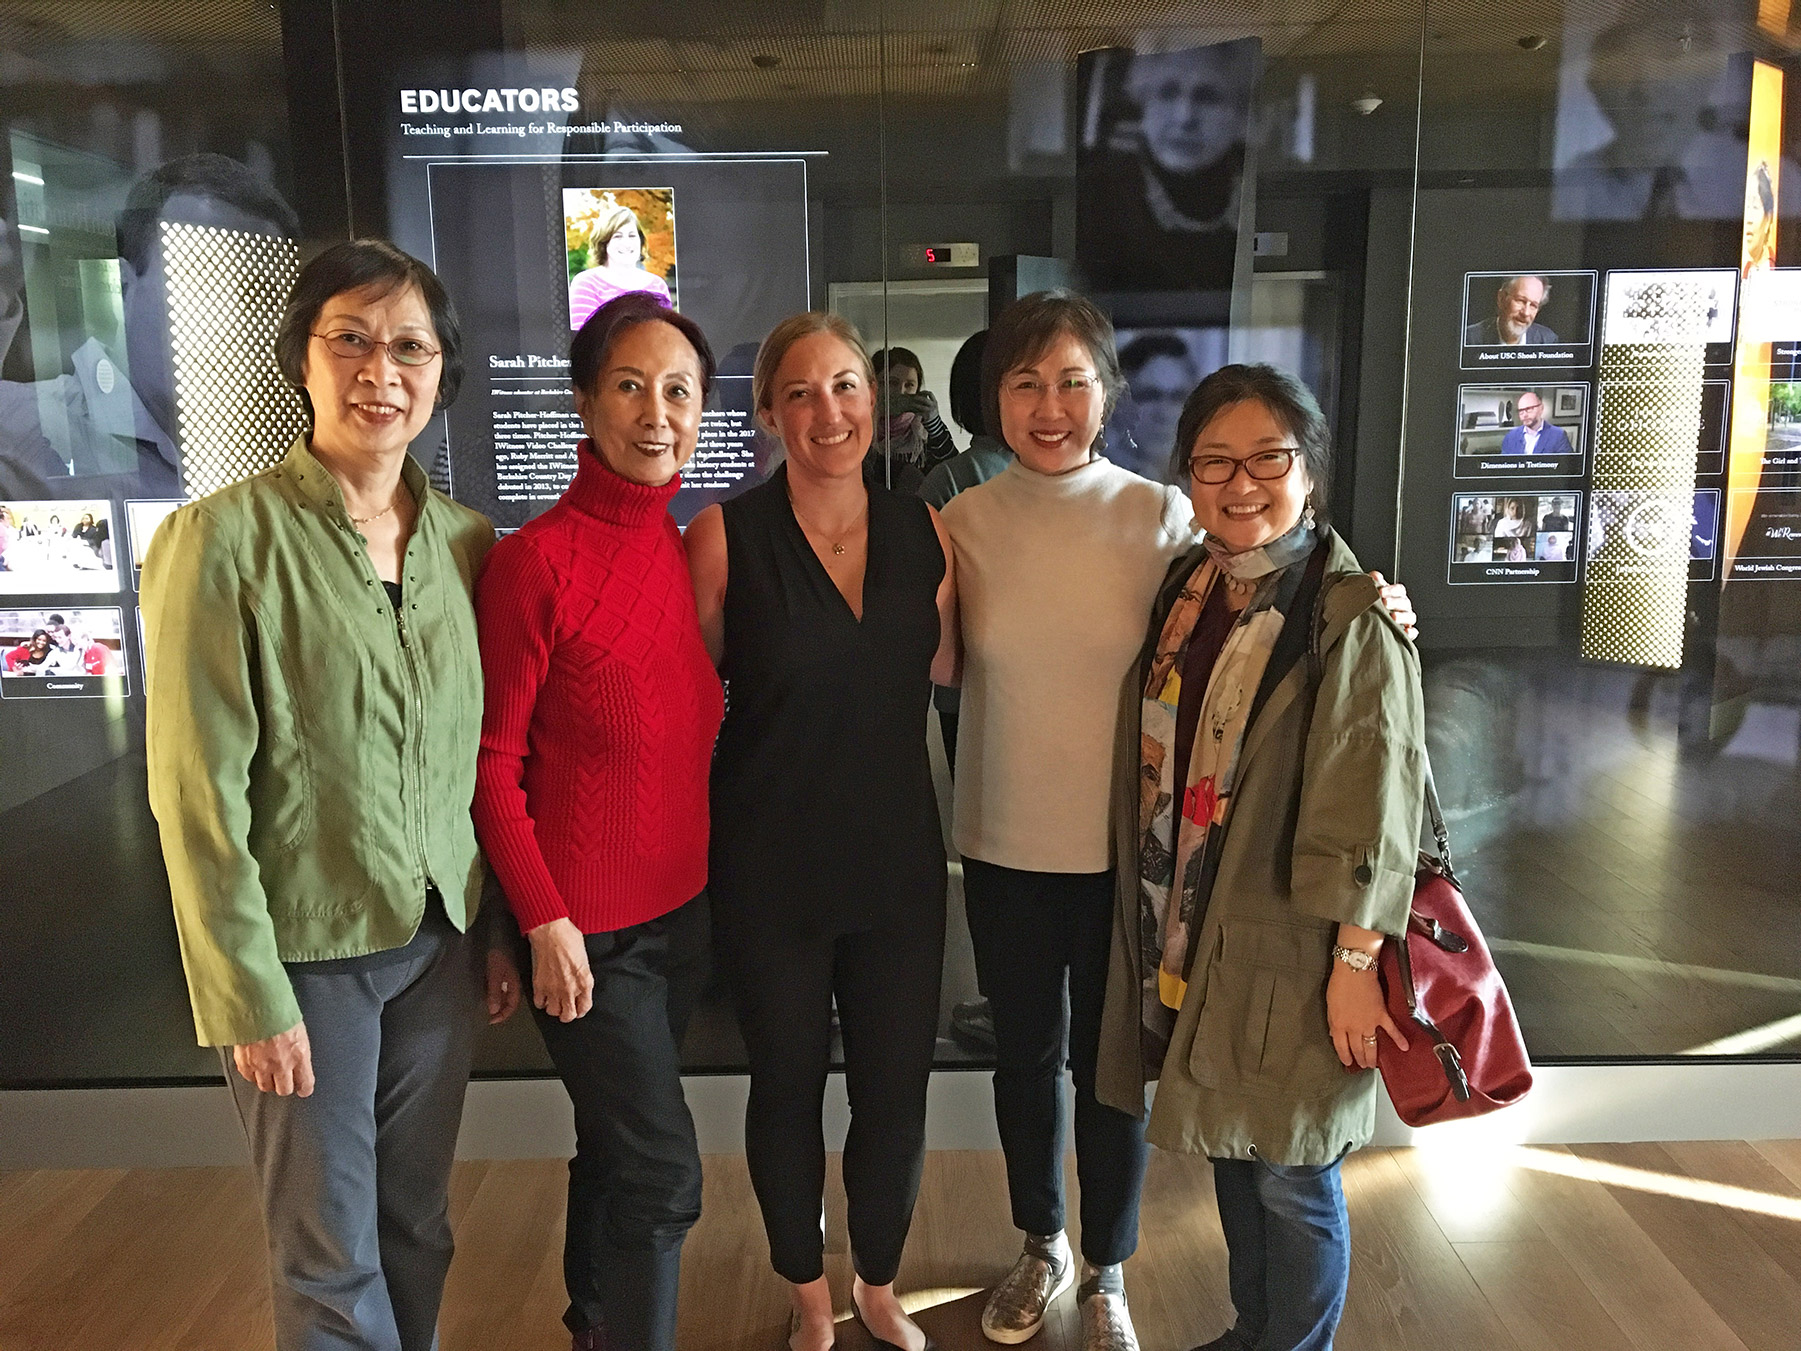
x=1369 y=1039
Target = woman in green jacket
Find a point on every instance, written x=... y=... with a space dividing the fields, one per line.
x=1267 y=805
x=315 y=699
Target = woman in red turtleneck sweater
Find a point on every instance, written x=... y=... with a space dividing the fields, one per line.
x=591 y=803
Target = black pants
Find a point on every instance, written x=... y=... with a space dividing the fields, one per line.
x=886 y=983
x=634 y=1183
x=947 y=730
x=1031 y=931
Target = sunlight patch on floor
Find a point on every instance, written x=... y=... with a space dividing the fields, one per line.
x=1752 y=1040
x=1664 y=1184
x=1756 y=980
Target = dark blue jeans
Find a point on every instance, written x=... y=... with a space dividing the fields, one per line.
x=1288 y=1243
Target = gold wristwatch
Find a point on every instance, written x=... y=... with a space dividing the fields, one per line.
x=1357 y=961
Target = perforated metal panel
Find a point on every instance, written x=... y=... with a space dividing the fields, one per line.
x=1635 y=596
x=235 y=415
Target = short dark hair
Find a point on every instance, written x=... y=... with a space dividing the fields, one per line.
x=966 y=386
x=588 y=349
x=898 y=356
x=204 y=175
x=1025 y=330
x=1289 y=401
x=352 y=266
x=1147 y=347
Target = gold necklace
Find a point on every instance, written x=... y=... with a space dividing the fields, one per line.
x=364 y=520
x=837 y=544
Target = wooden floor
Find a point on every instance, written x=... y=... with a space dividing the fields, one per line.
x=1678 y=1247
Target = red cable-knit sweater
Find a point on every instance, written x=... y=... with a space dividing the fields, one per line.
x=602 y=708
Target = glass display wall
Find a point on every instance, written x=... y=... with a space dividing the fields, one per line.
x=1532 y=261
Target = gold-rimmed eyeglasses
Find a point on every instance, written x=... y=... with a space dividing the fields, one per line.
x=352 y=346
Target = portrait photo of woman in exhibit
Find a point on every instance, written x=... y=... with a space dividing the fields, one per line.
x=616 y=265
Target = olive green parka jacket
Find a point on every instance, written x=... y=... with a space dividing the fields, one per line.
x=312 y=755
x=1325 y=830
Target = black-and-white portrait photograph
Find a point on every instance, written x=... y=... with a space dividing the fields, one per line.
x=1651 y=117
x=1162 y=366
x=1161 y=165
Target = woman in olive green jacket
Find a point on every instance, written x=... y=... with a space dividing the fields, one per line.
x=1266 y=812
x=315 y=700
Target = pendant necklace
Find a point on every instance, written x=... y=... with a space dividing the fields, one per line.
x=837 y=544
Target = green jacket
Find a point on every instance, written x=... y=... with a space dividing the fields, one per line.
x=1325 y=830
x=311 y=761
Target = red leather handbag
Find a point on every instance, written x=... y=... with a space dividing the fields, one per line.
x=1441 y=980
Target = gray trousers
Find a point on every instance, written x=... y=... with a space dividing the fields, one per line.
x=355 y=1179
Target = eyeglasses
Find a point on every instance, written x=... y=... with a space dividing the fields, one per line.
x=353 y=346
x=1263 y=466
x=1029 y=389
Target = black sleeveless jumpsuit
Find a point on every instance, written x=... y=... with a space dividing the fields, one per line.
x=827 y=871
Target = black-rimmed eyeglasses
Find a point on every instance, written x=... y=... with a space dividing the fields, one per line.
x=1263 y=466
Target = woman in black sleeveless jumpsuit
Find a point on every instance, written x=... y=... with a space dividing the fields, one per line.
x=827 y=870
x=827 y=867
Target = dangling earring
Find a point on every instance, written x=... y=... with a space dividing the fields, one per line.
x=1307 y=514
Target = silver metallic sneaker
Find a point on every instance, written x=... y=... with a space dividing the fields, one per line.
x=1015 y=1311
x=1107 y=1324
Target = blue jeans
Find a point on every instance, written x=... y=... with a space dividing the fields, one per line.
x=1288 y=1243
x=355 y=1180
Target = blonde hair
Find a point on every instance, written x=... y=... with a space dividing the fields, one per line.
x=790 y=331
x=606 y=227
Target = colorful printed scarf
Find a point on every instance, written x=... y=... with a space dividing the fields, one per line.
x=1174 y=845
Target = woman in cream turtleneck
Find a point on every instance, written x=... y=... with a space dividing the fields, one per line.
x=1058 y=558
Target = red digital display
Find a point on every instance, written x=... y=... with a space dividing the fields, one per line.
x=943 y=255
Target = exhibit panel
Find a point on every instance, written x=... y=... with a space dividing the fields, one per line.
x=151 y=229
x=1536 y=269
x=1613 y=727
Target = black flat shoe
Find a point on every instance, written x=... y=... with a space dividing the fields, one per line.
x=881 y=1345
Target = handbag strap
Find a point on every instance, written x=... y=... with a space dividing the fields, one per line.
x=1434 y=813
x=1448 y=1058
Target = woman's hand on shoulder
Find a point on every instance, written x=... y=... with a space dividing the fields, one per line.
x=562 y=981
x=1398 y=604
x=704 y=539
x=282 y=1064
